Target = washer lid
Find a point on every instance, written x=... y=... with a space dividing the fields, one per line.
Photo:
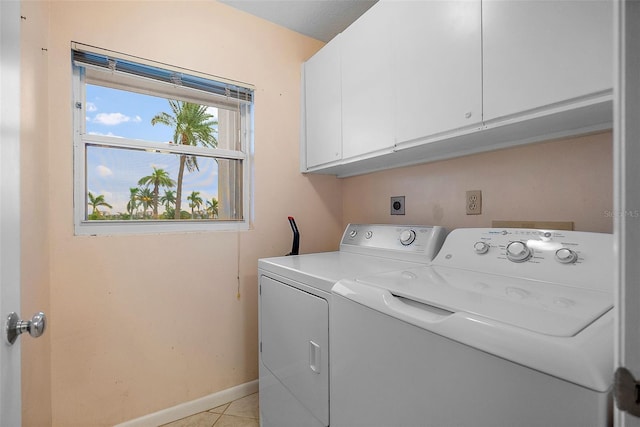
x=541 y=307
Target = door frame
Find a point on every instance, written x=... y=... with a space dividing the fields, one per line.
x=10 y=366
x=626 y=195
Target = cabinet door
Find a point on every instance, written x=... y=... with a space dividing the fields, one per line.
x=436 y=66
x=538 y=53
x=323 y=105
x=367 y=96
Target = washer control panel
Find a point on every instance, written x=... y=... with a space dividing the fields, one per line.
x=418 y=243
x=570 y=257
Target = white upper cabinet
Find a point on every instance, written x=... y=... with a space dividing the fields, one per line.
x=540 y=53
x=413 y=81
x=323 y=108
x=367 y=86
x=437 y=67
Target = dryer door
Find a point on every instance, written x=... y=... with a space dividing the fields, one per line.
x=295 y=343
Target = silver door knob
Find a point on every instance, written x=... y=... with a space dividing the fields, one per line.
x=14 y=326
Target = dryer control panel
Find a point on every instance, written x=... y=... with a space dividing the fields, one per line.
x=417 y=243
x=574 y=258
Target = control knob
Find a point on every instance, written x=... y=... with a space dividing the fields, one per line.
x=481 y=247
x=353 y=233
x=518 y=251
x=407 y=237
x=566 y=256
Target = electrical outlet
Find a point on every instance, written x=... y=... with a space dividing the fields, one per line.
x=474 y=202
x=397 y=205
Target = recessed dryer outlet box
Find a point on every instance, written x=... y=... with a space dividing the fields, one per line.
x=397 y=205
x=474 y=202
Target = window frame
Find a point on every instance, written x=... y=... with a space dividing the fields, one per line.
x=81 y=139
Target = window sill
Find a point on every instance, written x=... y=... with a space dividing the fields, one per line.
x=111 y=228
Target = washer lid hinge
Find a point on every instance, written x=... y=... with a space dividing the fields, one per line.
x=626 y=392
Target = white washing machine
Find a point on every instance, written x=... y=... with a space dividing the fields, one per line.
x=295 y=305
x=506 y=327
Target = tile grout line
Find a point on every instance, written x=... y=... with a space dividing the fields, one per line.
x=230 y=415
x=221 y=414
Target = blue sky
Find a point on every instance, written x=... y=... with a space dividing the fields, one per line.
x=111 y=172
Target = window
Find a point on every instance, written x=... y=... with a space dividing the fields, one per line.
x=158 y=148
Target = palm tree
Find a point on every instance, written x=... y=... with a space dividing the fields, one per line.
x=94 y=202
x=193 y=126
x=195 y=201
x=212 y=207
x=133 y=202
x=145 y=195
x=167 y=200
x=158 y=178
x=169 y=213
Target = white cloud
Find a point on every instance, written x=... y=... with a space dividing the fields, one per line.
x=113 y=119
x=103 y=171
x=105 y=134
x=91 y=107
x=213 y=111
x=207 y=196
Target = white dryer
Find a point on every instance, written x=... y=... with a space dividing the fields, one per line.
x=506 y=327
x=294 y=310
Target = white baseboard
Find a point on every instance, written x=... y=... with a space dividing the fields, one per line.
x=193 y=407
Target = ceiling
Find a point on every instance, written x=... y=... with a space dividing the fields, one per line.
x=320 y=19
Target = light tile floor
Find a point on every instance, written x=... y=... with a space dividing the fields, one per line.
x=243 y=412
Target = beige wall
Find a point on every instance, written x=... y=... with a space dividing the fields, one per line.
x=567 y=180
x=142 y=323
x=36 y=353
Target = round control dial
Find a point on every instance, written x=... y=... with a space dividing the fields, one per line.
x=481 y=247
x=566 y=256
x=407 y=237
x=518 y=251
x=353 y=233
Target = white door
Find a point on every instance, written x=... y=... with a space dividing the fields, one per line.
x=561 y=49
x=295 y=342
x=627 y=191
x=10 y=406
x=367 y=88
x=323 y=103
x=436 y=67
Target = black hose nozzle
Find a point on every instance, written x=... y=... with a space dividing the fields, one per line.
x=296 y=237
